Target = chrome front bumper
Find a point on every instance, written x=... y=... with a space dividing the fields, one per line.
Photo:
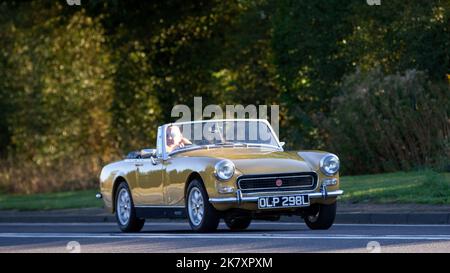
x=238 y=199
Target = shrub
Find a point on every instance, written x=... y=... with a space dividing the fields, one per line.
x=390 y=122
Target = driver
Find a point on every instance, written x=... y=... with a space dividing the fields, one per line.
x=175 y=139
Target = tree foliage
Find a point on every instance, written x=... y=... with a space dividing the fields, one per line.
x=317 y=43
x=58 y=87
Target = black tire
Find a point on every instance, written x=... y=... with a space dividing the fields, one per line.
x=133 y=224
x=323 y=216
x=210 y=219
x=238 y=223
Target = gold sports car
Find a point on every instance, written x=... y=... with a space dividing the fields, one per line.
x=234 y=169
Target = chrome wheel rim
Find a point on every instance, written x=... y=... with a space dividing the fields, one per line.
x=196 y=206
x=123 y=206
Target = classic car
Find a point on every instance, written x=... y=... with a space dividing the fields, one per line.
x=234 y=169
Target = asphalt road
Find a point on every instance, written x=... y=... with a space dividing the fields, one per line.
x=260 y=237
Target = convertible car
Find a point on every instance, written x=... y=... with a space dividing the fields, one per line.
x=236 y=170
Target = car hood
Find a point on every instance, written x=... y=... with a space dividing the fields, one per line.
x=256 y=160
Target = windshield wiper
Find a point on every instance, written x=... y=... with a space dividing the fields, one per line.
x=231 y=144
x=263 y=145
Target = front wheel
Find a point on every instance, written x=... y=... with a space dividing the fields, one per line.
x=322 y=216
x=125 y=211
x=203 y=217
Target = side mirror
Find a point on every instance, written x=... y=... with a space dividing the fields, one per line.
x=282 y=143
x=148 y=153
x=132 y=155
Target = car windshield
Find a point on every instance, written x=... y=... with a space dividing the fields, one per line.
x=253 y=133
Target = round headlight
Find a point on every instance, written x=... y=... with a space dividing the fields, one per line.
x=329 y=164
x=224 y=169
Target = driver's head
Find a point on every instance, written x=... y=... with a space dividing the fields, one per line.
x=174 y=135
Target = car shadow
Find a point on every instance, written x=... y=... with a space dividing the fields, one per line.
x=219 y=231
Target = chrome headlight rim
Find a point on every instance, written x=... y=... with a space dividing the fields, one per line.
x=323 y=161
x=219 y=171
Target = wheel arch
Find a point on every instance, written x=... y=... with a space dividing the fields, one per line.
x=194 y=175
x=119 y=179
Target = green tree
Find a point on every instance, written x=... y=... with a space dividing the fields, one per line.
x=398 y=36
x=307 y=41
x=316 y=43
x=57 y=71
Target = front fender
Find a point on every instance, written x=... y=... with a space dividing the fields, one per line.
x=312 y=158
x=109 y=177
x=180 y=170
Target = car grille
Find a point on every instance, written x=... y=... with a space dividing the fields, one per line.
x=267 y=183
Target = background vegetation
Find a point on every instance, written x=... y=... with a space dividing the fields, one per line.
x=82 y=85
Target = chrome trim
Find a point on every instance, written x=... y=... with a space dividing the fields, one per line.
x=165 y=155
x=187 y=149
x=275 y=177
x=154 y=162
x=296 y=192
x=264 y=193
x=324 y=191
x=163 y=207
x=239 y=199
x=269 y=177
x=207 y=147
x=262 y=189
x=239 y=196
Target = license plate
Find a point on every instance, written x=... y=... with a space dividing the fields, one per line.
x=290 y=201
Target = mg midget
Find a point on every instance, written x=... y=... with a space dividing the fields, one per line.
x=235 y=169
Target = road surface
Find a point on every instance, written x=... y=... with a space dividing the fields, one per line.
x=260 y=237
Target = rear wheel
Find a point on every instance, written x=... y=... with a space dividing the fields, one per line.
x=202 y=216
x=322 y=217
x=125 y=211
x=238 y=223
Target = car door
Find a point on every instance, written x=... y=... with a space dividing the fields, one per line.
x=150 y=182
x=175 y=174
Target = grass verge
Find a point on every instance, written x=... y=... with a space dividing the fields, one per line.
x=420 y=187
x=47 y=201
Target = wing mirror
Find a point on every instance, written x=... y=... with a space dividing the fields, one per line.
x=148 y=153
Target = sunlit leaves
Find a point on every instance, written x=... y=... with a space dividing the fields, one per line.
x=57 y=75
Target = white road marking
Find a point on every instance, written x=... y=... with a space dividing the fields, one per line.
x=394 y=225
x=56 y=224
x=264 y=236
x=253 y=224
